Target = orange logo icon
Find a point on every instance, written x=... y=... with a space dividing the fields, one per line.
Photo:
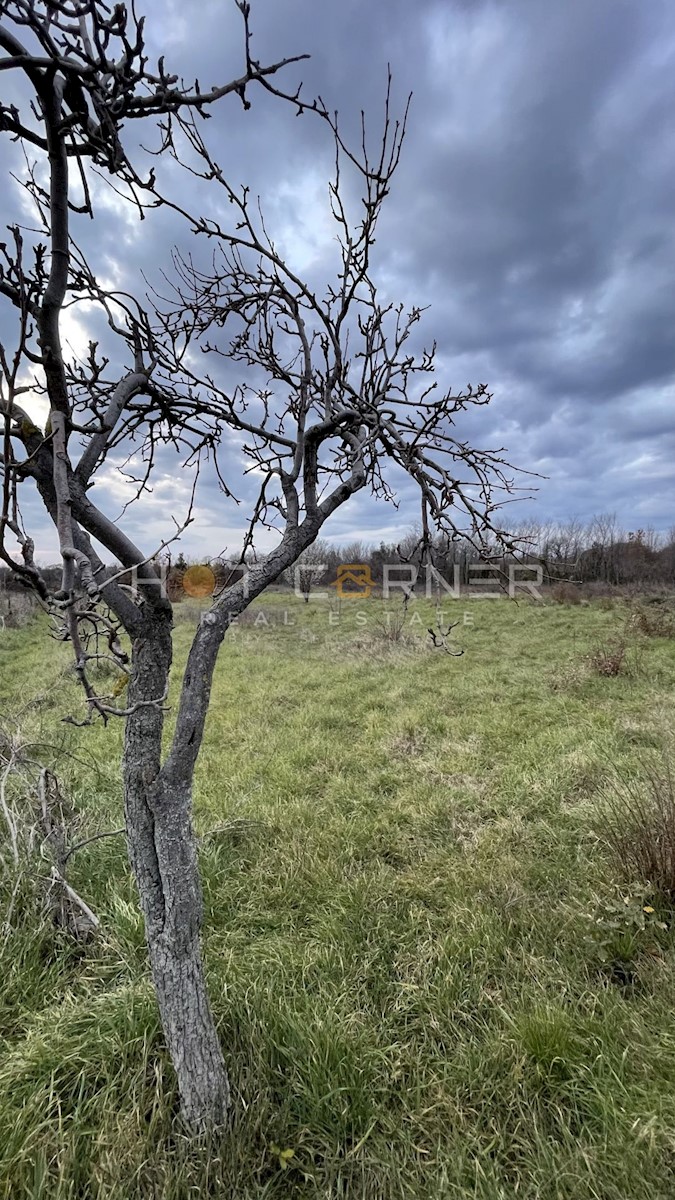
x=353 y=579
x=199 y=582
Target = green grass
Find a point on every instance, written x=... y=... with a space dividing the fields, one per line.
x=396 y=928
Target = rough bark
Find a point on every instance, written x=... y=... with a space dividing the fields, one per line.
x=162 y=846
x=164 y=861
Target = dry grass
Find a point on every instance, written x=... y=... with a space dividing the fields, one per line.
x=609 y=659
x=640 y=826
x=565 y=593
x=656 y=621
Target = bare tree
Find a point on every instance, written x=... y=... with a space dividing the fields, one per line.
x=330 y=393
x=309 y=568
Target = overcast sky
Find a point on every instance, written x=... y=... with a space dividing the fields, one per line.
x=533 y=211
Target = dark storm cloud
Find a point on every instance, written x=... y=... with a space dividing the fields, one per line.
x=532 y=211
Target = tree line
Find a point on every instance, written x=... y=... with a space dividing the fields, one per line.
x=598 y=551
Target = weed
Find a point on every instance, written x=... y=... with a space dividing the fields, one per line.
x=569 y=676
x=639 y=826
x=653 y=622
x=391 y=627
x=608 y=659
x=623 y=926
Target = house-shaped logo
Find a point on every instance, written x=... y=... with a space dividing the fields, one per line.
x=353 y=579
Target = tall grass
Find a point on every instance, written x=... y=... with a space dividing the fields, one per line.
x=640 y=825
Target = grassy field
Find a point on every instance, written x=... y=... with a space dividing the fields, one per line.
x=411 y=925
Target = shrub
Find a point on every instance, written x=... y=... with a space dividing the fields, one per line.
x=565 y=593
x=391 y=627
x=608 y=659
x=597 y=589
x=569 y=676
x=16 y=609
x=640 y=828
x=653 y=622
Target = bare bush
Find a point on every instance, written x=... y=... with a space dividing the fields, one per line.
x=38 y=821
x=656 y=622
x=16 y=609
x=566 y=593
x=569 y=676
x=391 y=625
x=609 y=659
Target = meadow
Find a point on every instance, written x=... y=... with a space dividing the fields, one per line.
x=430 y=975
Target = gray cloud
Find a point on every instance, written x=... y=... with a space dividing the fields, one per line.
x=532 y=211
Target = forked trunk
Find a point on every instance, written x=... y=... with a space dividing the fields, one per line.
x=164 y=861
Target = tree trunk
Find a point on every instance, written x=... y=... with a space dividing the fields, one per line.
x=163 y=856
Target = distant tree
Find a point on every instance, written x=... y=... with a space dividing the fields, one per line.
x=667 y=558
x=385 y=553
x=331 y=394
x=355 y=552
x=309 y=568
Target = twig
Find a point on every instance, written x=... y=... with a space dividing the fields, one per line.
x=77 y=900
x=95 y=837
